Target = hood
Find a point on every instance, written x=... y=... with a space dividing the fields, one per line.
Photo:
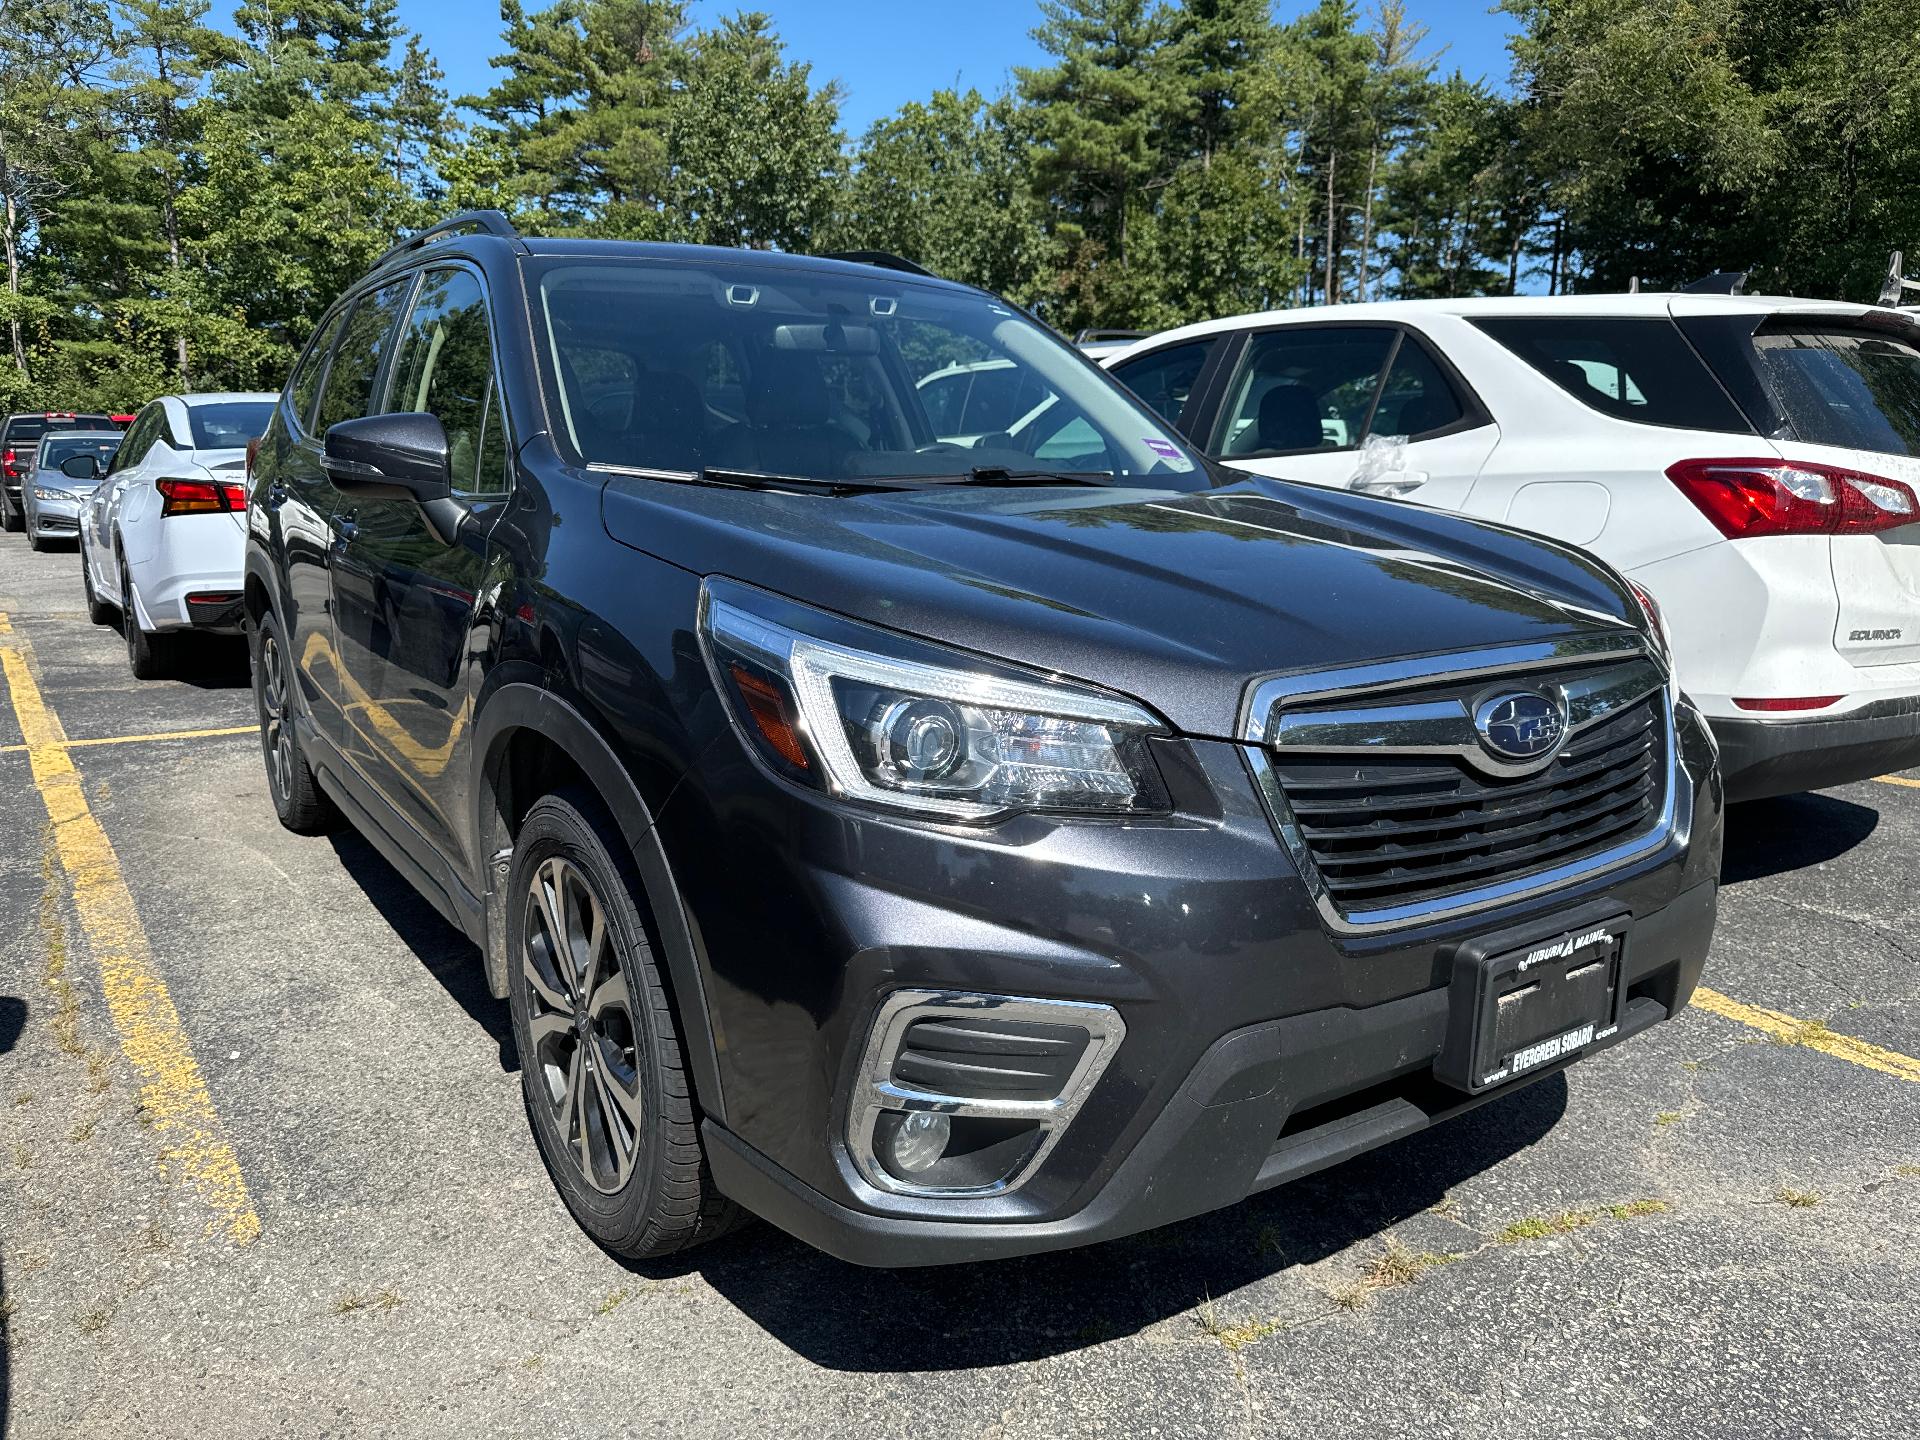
x=1177 y=599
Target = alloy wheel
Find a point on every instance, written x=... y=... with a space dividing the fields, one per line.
x=580 y=1016
x=276 y=728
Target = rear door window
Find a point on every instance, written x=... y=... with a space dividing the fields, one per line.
x=1165 y=378
x=1858 y=390
x=356 y=360
x=1305 y=388
x=1632 y=368
x=306 y=380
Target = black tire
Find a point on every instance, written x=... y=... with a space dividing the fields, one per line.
x=303 y=807
x=34 y=542
x=10 y=518
x=629 y=1165
x=99 y=611
x=149 y=653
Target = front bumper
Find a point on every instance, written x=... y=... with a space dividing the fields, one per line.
x=55 y=518
x=1263 y=1105
x=1761 y=758
x=1259 y=1046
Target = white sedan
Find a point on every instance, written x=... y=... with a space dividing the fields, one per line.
x=162 y=537
x=1751 y=462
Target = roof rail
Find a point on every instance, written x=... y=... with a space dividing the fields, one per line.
x=1894 y=288
x=882 y=259
x=1721 y=282
x=1093 y=333
x=487 y=222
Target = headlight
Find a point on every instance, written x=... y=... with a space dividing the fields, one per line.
x=864 y=713
x=41 y=492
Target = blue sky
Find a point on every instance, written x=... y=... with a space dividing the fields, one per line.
x=886 y=52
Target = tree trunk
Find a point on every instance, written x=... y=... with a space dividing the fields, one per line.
x=1513 y=262
x=11 y=232
x=1366 y=224
x=168 y=220
x=1332 y=222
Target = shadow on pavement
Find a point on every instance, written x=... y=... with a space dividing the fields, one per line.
x=1768 y=837
x=13 y=1019
x=446 y=953
x=960 y=1317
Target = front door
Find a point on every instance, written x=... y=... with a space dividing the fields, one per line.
x=409 y=604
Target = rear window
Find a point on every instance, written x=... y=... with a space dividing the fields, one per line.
x=228 y=424
x=1632 y=369
x=1857 y=390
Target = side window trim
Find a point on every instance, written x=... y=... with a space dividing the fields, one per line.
x=495 y=390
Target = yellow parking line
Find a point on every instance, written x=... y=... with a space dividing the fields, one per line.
x=1898 y=780
x=157 y=735
x=1810 y=1033
x=174 y=1095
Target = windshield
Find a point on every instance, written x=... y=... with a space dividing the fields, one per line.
x=1861 y=391
x=828 y=377
x=228 y=424
x=56 y=449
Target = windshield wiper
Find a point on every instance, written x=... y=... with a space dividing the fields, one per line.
x=811 y=484
x=1001 y=475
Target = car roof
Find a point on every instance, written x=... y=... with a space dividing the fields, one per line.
x=1648 y=303
x=477 y=247
x=83 y=435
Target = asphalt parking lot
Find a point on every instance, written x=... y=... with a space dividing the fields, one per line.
x=265 y=1169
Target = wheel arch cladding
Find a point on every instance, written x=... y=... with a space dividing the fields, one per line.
x=529 y=741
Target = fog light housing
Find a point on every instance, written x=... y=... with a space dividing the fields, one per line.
x=964 y=1094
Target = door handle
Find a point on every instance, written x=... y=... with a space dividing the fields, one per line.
x=345 y=528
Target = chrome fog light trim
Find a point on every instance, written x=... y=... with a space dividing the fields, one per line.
x=876 y=1091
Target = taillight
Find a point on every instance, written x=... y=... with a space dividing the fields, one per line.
x=1748 y=498
x=10 y=463
x=200 y=497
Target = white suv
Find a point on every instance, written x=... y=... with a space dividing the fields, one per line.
x=1752 y=462
x=162 y=536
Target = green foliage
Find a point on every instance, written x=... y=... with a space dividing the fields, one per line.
x=179 y=204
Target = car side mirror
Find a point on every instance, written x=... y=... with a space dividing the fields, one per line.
x=80 y=467
x=389 y=457
x=396 y=457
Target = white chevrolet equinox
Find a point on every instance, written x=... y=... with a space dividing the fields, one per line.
x=1751 y=462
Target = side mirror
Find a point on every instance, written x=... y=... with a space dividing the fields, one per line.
x=389 y=457
x=80 y=467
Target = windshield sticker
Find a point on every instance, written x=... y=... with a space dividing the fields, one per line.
x=1167 y=451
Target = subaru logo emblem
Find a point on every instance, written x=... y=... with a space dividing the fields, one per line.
x=1520 y=725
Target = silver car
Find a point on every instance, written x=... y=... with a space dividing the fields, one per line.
x=60 y=482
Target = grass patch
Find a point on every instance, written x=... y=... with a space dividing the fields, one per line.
x=386 y=1300
x=1397 y=1265
x=613 y=1301
x=1268 y=1242
x=94 y=1321
x=533 y=1362
x=98 y=1076
x=1237 y=1337
x=1907 y=1172
x=1349 y=1297
x=53 y=936
x=1541 y=1227
x=1668 y=1117
x=84 y=1130
x=154 y=1237
x=1796 y=1199
x=1635 y=1209
x=348 y=1303
x=22 y=1156
x=23 y=1098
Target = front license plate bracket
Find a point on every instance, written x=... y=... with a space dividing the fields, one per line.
x=1525 y=998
